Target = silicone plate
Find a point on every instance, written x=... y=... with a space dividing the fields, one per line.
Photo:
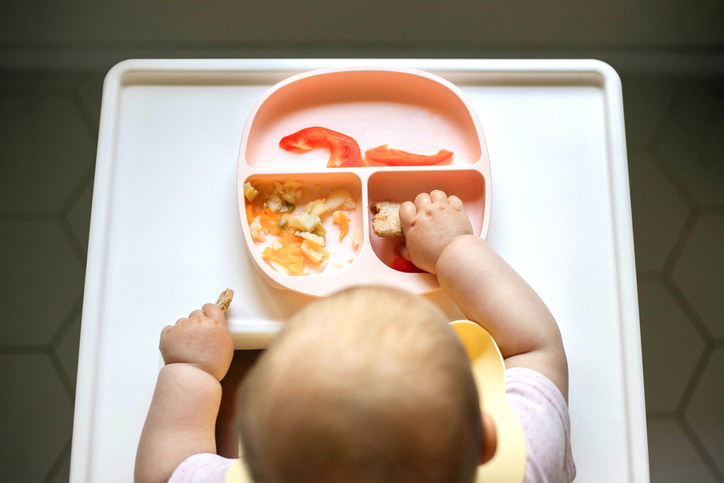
x=412 y=110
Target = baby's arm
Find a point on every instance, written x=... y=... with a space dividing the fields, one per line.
x=181 y=421
x=440 y=240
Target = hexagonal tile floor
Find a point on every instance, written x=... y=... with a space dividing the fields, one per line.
x=675 y=132
x=699 y=273
x=671 y=347
x=658 y=211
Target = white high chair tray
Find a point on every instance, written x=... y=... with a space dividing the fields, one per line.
x=166 y=237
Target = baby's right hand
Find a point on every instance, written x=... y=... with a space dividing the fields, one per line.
x=430 y=225
x=202 y=341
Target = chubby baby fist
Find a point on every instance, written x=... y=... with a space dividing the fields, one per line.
x=201 y=340
x=430 y=224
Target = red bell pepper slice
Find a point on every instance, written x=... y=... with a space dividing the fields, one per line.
x=402 y=264
x=345 y=150
x=396 y=157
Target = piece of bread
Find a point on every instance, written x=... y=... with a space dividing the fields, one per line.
x=386 y=219
x=225 y=299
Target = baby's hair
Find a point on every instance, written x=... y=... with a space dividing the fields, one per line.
x=367 y=385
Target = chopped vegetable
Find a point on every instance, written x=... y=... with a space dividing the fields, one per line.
x=280 y=268
x=341 y=219
x=249 y=191
x=356 y=239
x=268 y=221
x=340 y=200
x=345 y=151
x=283 y=198
x=290 y=258
x=249 y=213
x=256 y=230
x=314 y=252
x=288 y=239
x=298 y=235
x=306 y=222
x=312 y=238
x=396 y=157
x=316 y=207
x=287 y=207
x=403 y=265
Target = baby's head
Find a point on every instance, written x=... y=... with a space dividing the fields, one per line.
x=370 y=384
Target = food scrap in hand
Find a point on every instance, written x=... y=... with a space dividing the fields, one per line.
x=386 y=223
x=345 y=151
x=386 y=219
x=225 y=299
x=295 y=233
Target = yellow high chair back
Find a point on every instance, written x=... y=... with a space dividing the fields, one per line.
x=508 y=464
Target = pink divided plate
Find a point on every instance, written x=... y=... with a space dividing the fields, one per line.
x=409 y=109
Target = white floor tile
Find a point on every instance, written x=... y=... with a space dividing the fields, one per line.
x=37 y=417
x=672 y=459
x=706 y=410
x=670 y=345
x=700 y=272
x=40 y=279
x=657 y=209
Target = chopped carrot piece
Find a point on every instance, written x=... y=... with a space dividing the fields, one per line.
x=269 y=221
x=341 y=219
x=288 y=239
x=250 y=213
x=290 y=257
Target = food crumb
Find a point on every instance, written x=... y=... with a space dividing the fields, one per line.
x=356 y=238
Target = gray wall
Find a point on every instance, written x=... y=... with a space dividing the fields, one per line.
x=634 y=35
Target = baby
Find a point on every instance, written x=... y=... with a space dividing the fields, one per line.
x=370 y=384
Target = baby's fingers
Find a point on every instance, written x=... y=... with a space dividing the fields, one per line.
x=214 y=312
x=438 y=196
x=403 y=251
x=455 y=202
x=407 y=213
x=422 y=200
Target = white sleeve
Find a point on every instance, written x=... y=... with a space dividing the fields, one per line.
x=543 y=412
x=202 y=468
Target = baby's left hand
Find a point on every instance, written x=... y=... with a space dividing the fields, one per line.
x=202 y=340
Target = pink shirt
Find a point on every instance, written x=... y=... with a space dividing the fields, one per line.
x=543 y=413
x=534 y=398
